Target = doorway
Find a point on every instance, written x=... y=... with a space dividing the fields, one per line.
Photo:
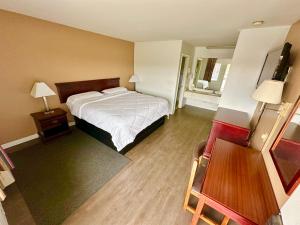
x=183 y=71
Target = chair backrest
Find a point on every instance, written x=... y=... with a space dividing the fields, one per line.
x=195 y=164
x=198 y=151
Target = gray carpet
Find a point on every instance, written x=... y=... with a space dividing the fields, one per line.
x=57 y=177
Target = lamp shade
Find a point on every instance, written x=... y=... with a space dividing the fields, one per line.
x=40 y=89
x=270 y=91
x=134 y=79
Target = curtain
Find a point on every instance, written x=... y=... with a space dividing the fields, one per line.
x=209 y=69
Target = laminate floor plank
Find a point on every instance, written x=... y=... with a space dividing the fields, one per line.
x=150 y=190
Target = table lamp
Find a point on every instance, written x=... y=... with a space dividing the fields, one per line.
x=270 y=91
x=41 y=90
x=134 y=79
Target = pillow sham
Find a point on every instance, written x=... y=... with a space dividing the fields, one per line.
x=114 y=90
x=84 y=95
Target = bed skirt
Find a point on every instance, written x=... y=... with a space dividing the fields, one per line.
x=105 y=137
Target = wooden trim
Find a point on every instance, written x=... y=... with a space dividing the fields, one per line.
x=291 y=186
x=286 y=124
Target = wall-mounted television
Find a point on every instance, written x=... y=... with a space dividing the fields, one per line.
x=276 y=64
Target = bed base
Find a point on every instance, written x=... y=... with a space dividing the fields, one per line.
x=105 y=137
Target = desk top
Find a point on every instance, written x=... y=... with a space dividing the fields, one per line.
x=237 y=179
x=230 y=116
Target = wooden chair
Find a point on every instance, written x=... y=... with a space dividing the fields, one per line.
x=197 y=176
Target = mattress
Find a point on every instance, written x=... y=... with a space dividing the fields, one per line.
x=122 y=115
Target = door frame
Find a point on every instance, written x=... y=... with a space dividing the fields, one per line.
x=184 y=78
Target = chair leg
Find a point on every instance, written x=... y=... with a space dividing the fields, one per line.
x=199 y=208
x=189 y=189
x=225 y=220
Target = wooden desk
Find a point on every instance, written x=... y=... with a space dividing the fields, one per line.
x=237 y=184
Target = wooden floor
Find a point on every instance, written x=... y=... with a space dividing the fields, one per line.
x=150 y=190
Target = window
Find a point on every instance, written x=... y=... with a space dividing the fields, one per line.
x=225 y=77
x=216 y=72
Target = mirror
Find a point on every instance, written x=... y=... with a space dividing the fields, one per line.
x=286 y=151
x=210 y=75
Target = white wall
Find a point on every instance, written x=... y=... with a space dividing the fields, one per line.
x=290 y=210
x=204 y=52
x=188 y=49
x=157 y=64
x=221 y=53
x=3 y=220
x=249 y=55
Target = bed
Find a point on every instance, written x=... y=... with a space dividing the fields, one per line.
x=119 y=120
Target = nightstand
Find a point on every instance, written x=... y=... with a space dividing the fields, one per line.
x=51 y=125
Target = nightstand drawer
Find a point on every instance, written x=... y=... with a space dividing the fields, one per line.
x=48 y=124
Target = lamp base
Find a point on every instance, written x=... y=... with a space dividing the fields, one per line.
x=49 y=112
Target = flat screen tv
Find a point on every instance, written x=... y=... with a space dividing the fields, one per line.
x=276 y=64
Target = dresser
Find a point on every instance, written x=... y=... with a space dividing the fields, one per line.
x=229 y=125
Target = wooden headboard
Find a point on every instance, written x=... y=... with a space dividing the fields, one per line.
x=67 y=89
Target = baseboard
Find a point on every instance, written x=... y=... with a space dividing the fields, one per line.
x=203 y=105
x=19 y=141
x=25 y=139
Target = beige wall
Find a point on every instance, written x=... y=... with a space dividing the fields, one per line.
x=290 y=95
x=35 y=50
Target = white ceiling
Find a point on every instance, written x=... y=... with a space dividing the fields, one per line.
x=199 y=22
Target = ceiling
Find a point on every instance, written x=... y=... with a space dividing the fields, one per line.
x=198 y=22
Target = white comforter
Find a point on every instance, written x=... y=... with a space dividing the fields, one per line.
x=122 y=115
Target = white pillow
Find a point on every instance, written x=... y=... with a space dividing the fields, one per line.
x=114 y=90
x=84 y=95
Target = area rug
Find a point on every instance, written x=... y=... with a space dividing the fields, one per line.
x=57 y=177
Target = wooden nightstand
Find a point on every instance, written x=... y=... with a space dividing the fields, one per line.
x=51 y=125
